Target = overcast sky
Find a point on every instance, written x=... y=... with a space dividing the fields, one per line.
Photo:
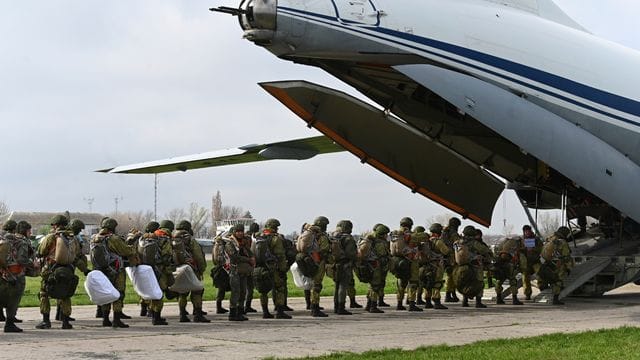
x=86 y=85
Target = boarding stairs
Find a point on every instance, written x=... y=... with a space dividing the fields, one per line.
x=580 y=274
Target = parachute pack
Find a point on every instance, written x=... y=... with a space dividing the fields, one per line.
x=549 y=250
x=149 y=250
x=337 y=246
x=462 y=253
x=180 y=242
x=290 y=251
x=398 y=243
x=62 y=282
x=101 y=257
x=66 y=249
x=262 y=251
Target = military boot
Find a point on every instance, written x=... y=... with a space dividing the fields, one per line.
x=10 y=327
x=286 y=307
x=413 y=307
x=448 y=298
x=198 y=316
x=454 y=296
x=117 y=322
x=399 y=307
x=45 y=323
x=307 y=299
x=99 y=312
x=124 y=316
x=479 y=304
x=58 y=313
x=419 y=300
x=144 y=308
x=438 y=305
x=240 y=314
x=15 y=320
x=280 y=314
x=65 y=322
x=499 y=299
x=428 y=304
x=368 y=307
x=465 y=301
x=353 y=304
x=248 y=308
x=233 y=314
x=374 y=308
x=316 y=312
x=556 y=300
x=381 y=302
x=183 y=314
x=219 y=308
x=157 y=319
x=515 y=301
x=342 y=309
x=2 y=317
x=105 y=319
x=336 y=306
x=265 y=312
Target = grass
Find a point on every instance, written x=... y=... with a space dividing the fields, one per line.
x=621 y=343
x=30 y=297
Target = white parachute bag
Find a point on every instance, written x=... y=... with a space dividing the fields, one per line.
x=185 y=280
x=100 y=289
x=301 y=281
x=144 y=282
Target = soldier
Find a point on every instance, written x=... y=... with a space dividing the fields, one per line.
x=187 y=251
x=218 y=273
x=373 y=250
x=345 y=255
x=133 y=239
x=449 y=236
x=320 y=251
x=254 y=229
x=439 y=254
x=8 y=228
x=468 y=275
x=241 y=264
x=556 y=262
x=506 y=267
x=404 y=248
x=59 y=250
x=19 y=258
x=529 y=258
x=271 y=268
x=108 y=252
x=154 y=249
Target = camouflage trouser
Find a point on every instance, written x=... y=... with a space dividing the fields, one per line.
x=508 y=272
x=410 y=284
x=343 y=278
x=119 y=282
x=238 y=284
x=384 y=281
x=450 y=285
x=438 y=273
x=317 y=283
x=10 y=294
x=45 y=306
x=377 y=283
x=351 y=289
x=196 y=297
x=479 y=269
x=164 y=279
x=250 y=287
x=527 y=273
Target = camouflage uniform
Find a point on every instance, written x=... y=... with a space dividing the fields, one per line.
x=529 y=258
x=450 y=236
x=405 y=247
x=46 y=251
x=479 y=255
x=218 y=263
x=506 y=267
x=278 y=268
x=254 y=228
x=559 y=262
x=374 y=252
x=182 y=238
x=343 y=266
x=241 y=264
x=324 y=252
x=12 y=275
x=437 y=255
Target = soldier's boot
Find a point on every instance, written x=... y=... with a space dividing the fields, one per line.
x=265 y=312
x=399 y=307
x=342 y=309
x=280 y=314
x=381 y=302
x=353 y=304
x=183 y=315
x=144 y=309
x=465 y=301
x=248 y=308
x=527 y=296
x=117 y=320
x=438 y=305
x=374 y=308
x=287 y=307
x=15 y=320
x=556 y=300
x=499 y=299
x=307 y=299
x=413 y=307
x=428 y=304
x=198 y=316
x=98 y=312
x=124 y=316
x=336 y=306
x=58 y=316
x=240 y=314
x=10 y=327
x=368 y=307
x=479 y=303
x=316 y=312
x=65 y=322
x=45 y=323
x=454 y=296
x=219 y=308
x=2 y=317
x=419 y=300
x=105 y=319
x=448 y=298
x=233 y=314
x=158 y=319
x=515 y=301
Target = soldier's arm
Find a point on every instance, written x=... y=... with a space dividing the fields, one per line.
x=198 y=255
x=166 y=253
x=45 y=245
x=350 y=250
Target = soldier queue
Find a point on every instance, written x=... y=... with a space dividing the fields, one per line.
x=260 y=259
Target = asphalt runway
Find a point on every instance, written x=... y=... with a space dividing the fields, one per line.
x=305 y=335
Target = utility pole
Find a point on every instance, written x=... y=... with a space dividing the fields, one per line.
x=155 y=197
x=89 y=202
x=117 y=199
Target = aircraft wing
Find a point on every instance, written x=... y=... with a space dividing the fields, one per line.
x=299 y=149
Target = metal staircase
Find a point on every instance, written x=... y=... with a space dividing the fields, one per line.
x=580 y=274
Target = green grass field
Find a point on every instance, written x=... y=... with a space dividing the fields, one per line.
x=30 y=297
x=619 y=343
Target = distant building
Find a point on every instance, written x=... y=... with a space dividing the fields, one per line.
x=40 y=221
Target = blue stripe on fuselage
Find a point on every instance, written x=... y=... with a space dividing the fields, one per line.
x=566 y=85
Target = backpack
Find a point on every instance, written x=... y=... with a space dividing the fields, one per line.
x=100 y=255
x=549 y=250
x=149 y=249
x=308 y=240
x=336 y=244
x=263 y=279
x=307 y=266
x=180 y=245
x=62 y=283
x=66 y=249
x=462 y=253
x=262 y=251
x=290 y=251
x=466 y=281
x=398 y=243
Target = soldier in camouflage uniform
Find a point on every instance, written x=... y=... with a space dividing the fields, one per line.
x=118 y=251
x=374 y=251
x=450 y=236
x=343 y=266
x=506 y=267
x=46 y=252
x=8 y=228
x=320 y=251
x=439 y=254
x=277 y=266
x=241 y=263
x=556 y=262
x=187 y=251
x=529 y=258
x=405 y=248
x=254 y=229
x=132 y=240
x=478 y=253
x=222 y=281
x=19 y=259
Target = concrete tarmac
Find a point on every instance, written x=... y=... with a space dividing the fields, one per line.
x=305 y=335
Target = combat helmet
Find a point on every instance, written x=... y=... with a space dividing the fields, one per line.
x=272 y=224
x=9 y=225
x=22 y=227
x=167 y=224
x=345 y=226
x=151 y=226
x=381 y=230
x=563 y=231
x=109 y=224
x=435 y=228
x=454 y=222
x=59 y=220
x=321 y=222
x=419 y=229
x=406 y=222
x=469 y=230
x=184 y=225
x=76 y=226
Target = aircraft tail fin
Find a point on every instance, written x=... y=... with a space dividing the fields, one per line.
x=544 y=8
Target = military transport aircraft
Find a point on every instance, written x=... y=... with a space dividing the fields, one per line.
x=471 y=94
